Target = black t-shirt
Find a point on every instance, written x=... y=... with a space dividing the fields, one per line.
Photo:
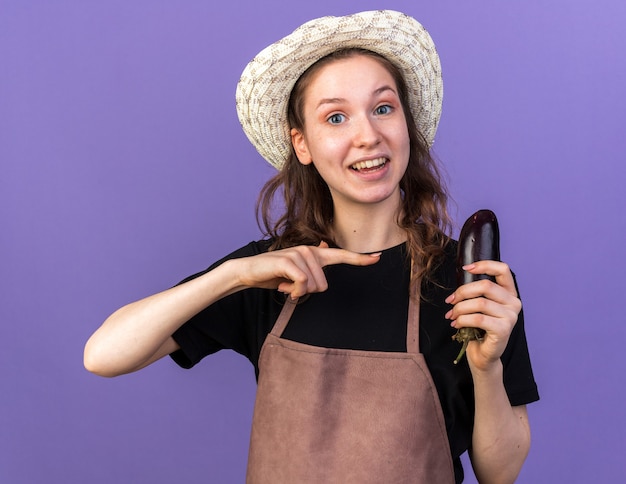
x=364 y=308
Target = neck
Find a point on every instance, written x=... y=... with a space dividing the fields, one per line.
x=368 y=228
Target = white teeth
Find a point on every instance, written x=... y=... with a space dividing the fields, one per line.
x=361 y=165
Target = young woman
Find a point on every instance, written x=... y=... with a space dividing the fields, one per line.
x=348 y=307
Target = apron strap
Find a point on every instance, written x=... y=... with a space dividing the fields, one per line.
x=284 y=316
x=413 y=322
x=413 y=326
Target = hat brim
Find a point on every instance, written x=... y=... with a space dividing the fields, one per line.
x=263 y=90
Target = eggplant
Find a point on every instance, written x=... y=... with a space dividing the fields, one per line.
x=479 y=240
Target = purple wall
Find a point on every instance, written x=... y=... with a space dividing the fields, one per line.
x=123 y=169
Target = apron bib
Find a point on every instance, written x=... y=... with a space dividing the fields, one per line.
x=326 y=415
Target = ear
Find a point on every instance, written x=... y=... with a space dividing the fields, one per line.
x=300 y=147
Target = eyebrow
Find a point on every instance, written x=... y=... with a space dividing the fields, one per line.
x=339 y=100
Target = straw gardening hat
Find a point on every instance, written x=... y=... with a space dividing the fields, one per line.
x=266 y=82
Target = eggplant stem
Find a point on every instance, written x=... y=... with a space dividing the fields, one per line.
x=462 y=352
x=465 y=335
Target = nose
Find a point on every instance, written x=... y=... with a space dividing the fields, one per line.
x=366 y=132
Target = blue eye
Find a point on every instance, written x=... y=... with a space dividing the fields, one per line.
x=336 y=119
x=384 y=109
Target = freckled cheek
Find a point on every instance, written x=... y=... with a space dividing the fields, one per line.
x=328 y=147
x=403 y=144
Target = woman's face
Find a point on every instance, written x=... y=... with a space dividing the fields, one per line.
x=355 y=132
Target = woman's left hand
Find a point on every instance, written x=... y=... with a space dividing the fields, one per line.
x=493 y=307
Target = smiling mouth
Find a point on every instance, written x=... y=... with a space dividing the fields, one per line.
x=369 y=165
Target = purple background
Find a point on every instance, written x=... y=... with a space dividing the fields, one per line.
x=124 y=169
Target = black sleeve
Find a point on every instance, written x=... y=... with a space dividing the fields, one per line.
x=234 y=322
x=519 y=380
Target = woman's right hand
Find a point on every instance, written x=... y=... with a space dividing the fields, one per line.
x=140 y=333
x=297 y=271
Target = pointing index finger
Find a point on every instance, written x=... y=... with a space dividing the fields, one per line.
x=331 y=256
